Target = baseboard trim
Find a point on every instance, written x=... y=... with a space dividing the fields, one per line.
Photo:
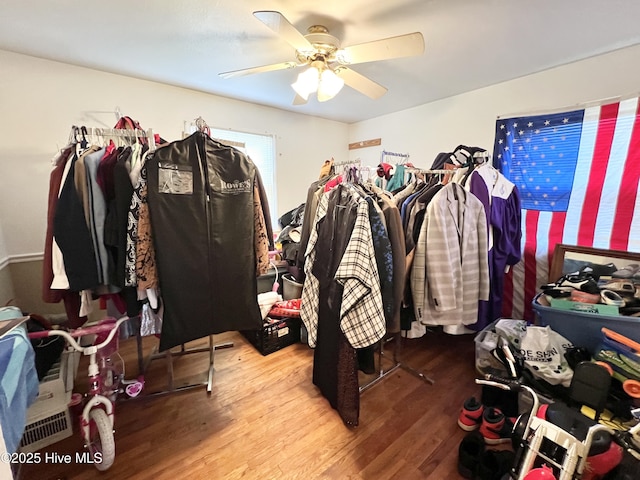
x=22 y=258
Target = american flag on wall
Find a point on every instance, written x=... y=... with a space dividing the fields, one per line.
x=577 y=173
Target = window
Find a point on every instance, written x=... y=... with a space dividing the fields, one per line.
x=262 y=151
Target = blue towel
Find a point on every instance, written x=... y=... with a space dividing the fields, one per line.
x=18 y=385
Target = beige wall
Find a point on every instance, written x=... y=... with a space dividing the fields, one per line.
x=6 y=286
x=27 y=287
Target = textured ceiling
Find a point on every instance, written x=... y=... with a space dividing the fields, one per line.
x=469 y=43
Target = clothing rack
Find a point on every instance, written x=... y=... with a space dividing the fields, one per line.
x=345 y=163
x=393 y=154
x=429 y=171
x=382 y=373
x=78 y=134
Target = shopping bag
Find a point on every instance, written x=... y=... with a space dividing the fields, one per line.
x=543 y=350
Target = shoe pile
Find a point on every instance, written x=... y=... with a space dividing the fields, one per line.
x=600 y=284
x=486 y=426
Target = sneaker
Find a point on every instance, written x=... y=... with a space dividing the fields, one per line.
x=494 y=464
x=470 y=416
x=495 y=427
x=583 y=282
x=470 y=452
x=627 y=272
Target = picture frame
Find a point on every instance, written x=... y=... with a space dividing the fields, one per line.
x=566 y=259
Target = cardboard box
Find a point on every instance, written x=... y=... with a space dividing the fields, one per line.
x=599 y=308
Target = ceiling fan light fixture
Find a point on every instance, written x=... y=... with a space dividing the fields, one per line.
x=343 y=57
x=307 y=82
x=330 y=85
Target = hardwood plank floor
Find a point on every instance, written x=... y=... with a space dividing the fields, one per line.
x=266 y=420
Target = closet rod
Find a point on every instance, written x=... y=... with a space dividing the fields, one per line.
x=77 y=132
x=424 y=170
x=344 y=163
x=115 y=132
x=394 y=154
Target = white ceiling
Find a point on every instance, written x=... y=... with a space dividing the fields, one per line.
x=469 y=43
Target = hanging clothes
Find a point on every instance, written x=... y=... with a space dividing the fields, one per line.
x=78 y=269
x=52 y=294
x=450 y=269
x=396 y=238
x=343 y=306
x=501 y=201
x=201 y=204
x=89 y=197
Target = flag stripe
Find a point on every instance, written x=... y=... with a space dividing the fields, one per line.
x=579 y=188
x=507 y=293
x=625 y=207
x=518 y=290
x=530 y=261
x=518 y=283
x=599 y=162
x=556 y=230
x=633 y=245
x=613 y=176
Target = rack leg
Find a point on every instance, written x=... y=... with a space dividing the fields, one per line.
x=212 y=349
x=143 y=364
x=396 y=364
x=407 y=368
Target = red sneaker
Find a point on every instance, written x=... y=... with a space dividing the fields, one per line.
x=495 y=427
x=470 y=416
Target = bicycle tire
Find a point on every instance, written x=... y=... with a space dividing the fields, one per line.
x=102 y=440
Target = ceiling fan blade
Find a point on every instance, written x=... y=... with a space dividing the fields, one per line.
x=393 y=47
x=264 y=68
x=298 y=100
x=360 y=83
x=279 y=24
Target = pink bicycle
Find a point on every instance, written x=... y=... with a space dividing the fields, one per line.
x=106 y=381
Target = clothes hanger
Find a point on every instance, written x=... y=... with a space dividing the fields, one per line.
x=202 y=126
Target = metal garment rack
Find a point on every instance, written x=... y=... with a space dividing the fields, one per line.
x=78 y=133
x=393 y=154
x=345 y=163
x=382 y=373
x=82 y=132
x=168 y=355
x=427 y=171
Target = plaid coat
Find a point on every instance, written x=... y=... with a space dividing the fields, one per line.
x=450 y=271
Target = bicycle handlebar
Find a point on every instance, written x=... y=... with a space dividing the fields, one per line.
x=499 y=382
x=111 y=327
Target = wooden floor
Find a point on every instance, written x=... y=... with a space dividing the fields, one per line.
x=266 y=420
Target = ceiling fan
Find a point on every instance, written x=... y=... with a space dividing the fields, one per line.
x=328 y=63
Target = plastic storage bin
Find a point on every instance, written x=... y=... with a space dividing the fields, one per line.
x=584 y=329
x=274 y=335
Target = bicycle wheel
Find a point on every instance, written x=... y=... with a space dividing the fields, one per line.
x=102 y=445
